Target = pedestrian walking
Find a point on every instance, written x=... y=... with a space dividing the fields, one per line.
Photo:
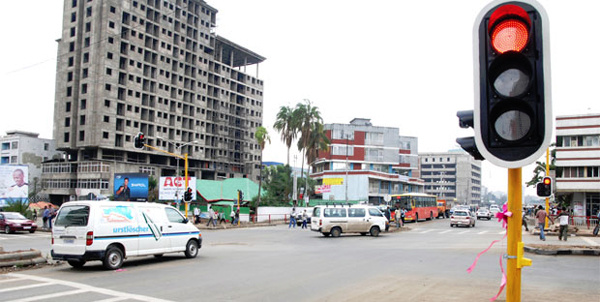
x=524 y=221
x=232 y=216
x=45 y=215
x=398 y=217
x=211 y=216
x=563 y=220
x=304 y=219
x=292 y=218
x=196 y=215
x=222 y=218
x=541 y=220
x=237 y=217
x=51 y=216
x=402 y=215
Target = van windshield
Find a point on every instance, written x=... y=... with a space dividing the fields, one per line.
x=73 y=216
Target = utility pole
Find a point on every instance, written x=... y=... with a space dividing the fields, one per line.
x=347 y=166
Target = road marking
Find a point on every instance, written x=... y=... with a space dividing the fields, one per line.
x=446 y=231
x=590 y=241
x=502 y=233
x=481 y=233
x=80 y=286
x=23 y=287
x=463 y=232
x=426 y=231
x=51 y=296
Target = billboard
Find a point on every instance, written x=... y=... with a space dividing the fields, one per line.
x=333 y=181
x=172 y=188
x=131 y=186
x=14 y=183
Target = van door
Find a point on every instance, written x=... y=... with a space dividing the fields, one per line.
x=333 y=217
x=70 y=229
x=154 y=225
x=357 y=220
x=117 y=223
x=178 y=229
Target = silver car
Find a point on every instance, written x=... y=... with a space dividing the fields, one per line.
x=484 y=214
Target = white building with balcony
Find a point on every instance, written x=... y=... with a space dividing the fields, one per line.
x=578 y=161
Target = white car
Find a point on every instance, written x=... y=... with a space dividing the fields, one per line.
x=484 y=213
x=462 y=217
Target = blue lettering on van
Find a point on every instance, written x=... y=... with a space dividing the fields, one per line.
x=131 y=229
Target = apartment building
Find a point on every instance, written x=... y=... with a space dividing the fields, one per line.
x=367 y=163
x=452 y=175
x=27 y=148
x=156 y=67
x=578 y=162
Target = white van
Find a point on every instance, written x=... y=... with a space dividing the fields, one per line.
x=335 y=220
x=111 y=231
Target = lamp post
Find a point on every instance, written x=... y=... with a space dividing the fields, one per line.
x=347 y=166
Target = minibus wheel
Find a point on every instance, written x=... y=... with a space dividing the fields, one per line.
x=113 y=258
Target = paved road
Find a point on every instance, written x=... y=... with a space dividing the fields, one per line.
x=427 y=263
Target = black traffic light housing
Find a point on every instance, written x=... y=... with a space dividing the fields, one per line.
x=240 y=195
x=187 y=196
x=513 y=113
x=139 y=140
x=465 y=120
x=545 y=188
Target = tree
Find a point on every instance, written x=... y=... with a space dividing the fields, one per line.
x=262 y=137
x=540 y=168
x=152 y=184
x=286 y=125
x=278 y=185
x=306 y=115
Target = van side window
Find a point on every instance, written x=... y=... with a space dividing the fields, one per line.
x=356 y=212
x=375 y=212
x=334 y=212
x=174 y=216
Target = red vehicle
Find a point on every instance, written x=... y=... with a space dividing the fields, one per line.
x=13 y=221
x=419 y=206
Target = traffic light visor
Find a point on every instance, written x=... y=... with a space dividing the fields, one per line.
x=509 y=28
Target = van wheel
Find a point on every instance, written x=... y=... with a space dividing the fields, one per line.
x=76 y=263
x=336 y=232
x=191 y=249
x=113 y=258
x=374 y=231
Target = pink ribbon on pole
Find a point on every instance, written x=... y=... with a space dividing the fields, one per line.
x=502 y=216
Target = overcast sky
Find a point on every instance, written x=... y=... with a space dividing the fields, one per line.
x=404 y=64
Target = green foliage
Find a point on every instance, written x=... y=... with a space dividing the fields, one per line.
x=152 y=188
x=278 y=185
x=18 y=205
x=540 y=168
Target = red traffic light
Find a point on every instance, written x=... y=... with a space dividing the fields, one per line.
x=509 y=28
x=547 y=180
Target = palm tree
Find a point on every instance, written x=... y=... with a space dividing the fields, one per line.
x=306 y=116
x=262 y=136
x=318 y=141
x=286 y=126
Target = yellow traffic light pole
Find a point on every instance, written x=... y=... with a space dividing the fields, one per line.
x=514 y=249
x=185 y=158
x=547 y=174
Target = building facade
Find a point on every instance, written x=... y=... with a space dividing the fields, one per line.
x=578 y=162
x=453 y=176
x=367 y=163
x=26 y=148
x=156 y=67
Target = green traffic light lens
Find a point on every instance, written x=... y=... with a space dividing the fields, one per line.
x=512 y=125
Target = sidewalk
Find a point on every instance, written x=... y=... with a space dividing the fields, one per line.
x=580 y=243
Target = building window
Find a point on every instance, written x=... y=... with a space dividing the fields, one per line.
x=109 y=55
x=69 y=76
x=84 y=73
x=70 y=63
x=69 y=91
x=14 y=145
x=46 y=146
x=106 y=103
x=108 y=71
x=66 y=137
x=86 y=57
x=81 y=136
x=68 y=107
x=83 y=104
x=81 y=121
x=72 y=32
x=71 y=46
x=112 y=9
x=67 y=122
x=105 y=135
x=73 y=17
x=111 y=24
x=88 y=27
x=83 y=88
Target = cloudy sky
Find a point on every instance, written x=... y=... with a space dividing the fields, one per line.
x=404 y=64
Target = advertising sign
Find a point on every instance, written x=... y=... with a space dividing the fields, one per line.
x=172 y=188
x=14 y=183
x=131 y=186
x=323 y=189
x=333 y=181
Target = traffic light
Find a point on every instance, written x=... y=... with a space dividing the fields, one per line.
x=544 y=188
x=513 y=111
x=465 y=120
x=139 y=140
x=187 y=196
x=240 y=195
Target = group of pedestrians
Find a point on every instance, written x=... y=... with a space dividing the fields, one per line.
x=215 y=217
x=47 y=215
x=563 y=221
x=294 y=222
x=400 y=214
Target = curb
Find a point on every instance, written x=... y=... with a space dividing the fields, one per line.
x=557 y=252
x=22 y=258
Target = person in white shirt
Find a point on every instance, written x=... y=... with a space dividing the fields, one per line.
x=563 y=220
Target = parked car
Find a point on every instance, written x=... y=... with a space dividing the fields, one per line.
x=462 y=217
x=484 y=213
x=335 y=220
x=13 y=221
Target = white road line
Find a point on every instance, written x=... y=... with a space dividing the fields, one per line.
x=115 y=299
x=446 y=231
x=502 y=233
x=86 y=287
x=590 y=241
x=13 y=279
x=481 y=233
x=50 y=296
x=24 y=287
x=426 y=231
x=463 y=232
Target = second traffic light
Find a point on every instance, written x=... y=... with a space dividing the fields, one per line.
x=513 y=112
x=544 y=188
x=187 y=196
x=139 y=140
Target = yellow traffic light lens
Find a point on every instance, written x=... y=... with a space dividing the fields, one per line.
x=512 y=125
x=512 y=82
x=510 y=35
